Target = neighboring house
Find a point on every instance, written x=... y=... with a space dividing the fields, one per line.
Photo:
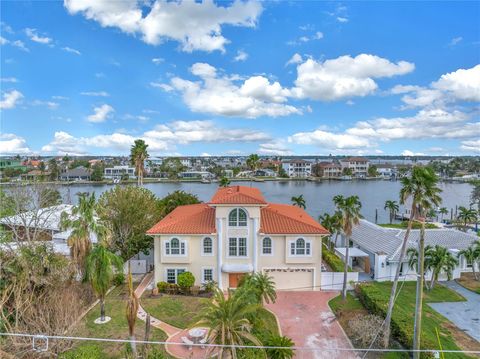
x=297 y=168
x=386 y=170
x=358 y=165
x=265 y=173
x=376 y=250
x=76 y=174
x=196 y=174
x=33 y=175
x=11 y=164
x=116 y=172
x=329 y=170
x=238 y=232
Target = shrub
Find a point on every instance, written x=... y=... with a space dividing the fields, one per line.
x=172 y=288
x=162 y=287
x=279 y=341
x=87 y=351
x=209 y=286
x=195 y=290
x=333 y=260
x=364 y=329
x=185 y=281
x=118 y=279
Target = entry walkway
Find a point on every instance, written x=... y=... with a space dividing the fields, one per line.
x=465 y=315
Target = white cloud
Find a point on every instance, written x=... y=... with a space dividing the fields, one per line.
x=471 y=146
x=274 y=148
x=71 y=50
x=463 y=84
x=345 y=76
x=241 y=56
x=3 y=41
x=221 y=95
x=95 y=93
x=160 y=139
x=303 y=39
x=342 y=19
x=330 y=140
x=409 y=153
x=9 y=79
x=19 y=44
x=101 y=113
x=11 y=144
x=10 y=99
x=455 y=41
x=157 y=60
x=295 y=59
x=34 y=36
x=50 y=104
x=197 y=26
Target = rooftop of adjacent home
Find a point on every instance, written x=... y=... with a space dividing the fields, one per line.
x=274 y=218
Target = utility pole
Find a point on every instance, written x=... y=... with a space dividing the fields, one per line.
x=417 y=327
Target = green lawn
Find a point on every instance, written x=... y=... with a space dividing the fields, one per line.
x=177 y=310
x=404 y=224
x=375 y=297
x=117 y=328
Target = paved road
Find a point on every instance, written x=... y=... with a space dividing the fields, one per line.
x=465 y=315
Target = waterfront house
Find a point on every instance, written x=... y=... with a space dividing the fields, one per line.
x=76 y=174
x=358 y=166
x=116 y=172
x=375 y=250
x=297 y=168
x=235 y=233
x=328 y=170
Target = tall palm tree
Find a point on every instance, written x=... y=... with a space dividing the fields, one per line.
x=471 y=255
x=264 y=287
x=299 y=201
x=131 y=311
x=227 y=321
x=101 y=266
x=252 y=164
x=138 y=155
x=440 y=260
x=392 y=207
x=443 y=211
x=337 y=199
x=224 y=182
x=466 y=215
x=420 y=188
x=333 y=224
x=349 y=209
x=84 y=223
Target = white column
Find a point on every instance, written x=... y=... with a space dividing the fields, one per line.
x=219 y=251
x=255 y=244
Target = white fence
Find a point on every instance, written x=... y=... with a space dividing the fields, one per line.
x=334 y=280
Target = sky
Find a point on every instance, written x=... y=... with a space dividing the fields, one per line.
x=88 y=77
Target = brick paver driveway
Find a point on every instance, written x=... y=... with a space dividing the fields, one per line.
x=307 y=319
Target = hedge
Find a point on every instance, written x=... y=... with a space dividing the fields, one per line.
x=333 y=260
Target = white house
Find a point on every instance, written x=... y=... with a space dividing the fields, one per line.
x=238 y=232
x=297 y=168
x=358 y=166
x=116 y=172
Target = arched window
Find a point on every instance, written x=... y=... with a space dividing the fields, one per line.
x=207 y=246
x=300 y=247
x=174 y=247
x=237 y=218
x=267 y=245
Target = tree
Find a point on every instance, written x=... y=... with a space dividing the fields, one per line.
x=224 y=182
x=261 y=285
x=471 y=255
x=100 y=269
x=392 y=207
x=466 y=215
x=475 y=195
x=97 y=172
x=131 y=311
x=281 y=347
x=372 y=171
x=347 y=171
x=227 y=322
x=138 y=155
x=185 y=281
x=7 y=204
x=421 y=189
x=172 y=166
x=177 y=198
x=252 y=163
x=54 y=169
x=299 y=201
x=83 y=223
x=440 y=260
x=443 y=211
x=50 y=197
x=130 y=211
x=349 y=208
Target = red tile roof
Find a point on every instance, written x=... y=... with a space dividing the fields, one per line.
x=288 y=219
x=189 y=219
x=238 y=195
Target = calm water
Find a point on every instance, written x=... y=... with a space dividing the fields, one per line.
x=373 y=194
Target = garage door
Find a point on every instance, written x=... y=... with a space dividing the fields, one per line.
x=292 y=278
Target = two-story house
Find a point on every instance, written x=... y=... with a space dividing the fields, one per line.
x=358 y=166
x=238 y=232
x=297 y=168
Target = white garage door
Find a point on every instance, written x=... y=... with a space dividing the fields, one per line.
x=292 y=278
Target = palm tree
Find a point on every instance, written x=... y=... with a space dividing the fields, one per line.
x=83 y=223
x=252 y=164
x=228 y=324
x=299 y=201
x=349 y=209
x=440 y=259
x=224 y=182
x=101 y=266
x=466 y=215
x=138 y=155
x=392 y=207
x=264 y=287
x=471 y=255
x=337 y=199
x=131 y=311
x=421 y=189
x=282 y=345
x=332 y=224
x=443 y=211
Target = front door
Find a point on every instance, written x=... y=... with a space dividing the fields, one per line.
x=234 y=279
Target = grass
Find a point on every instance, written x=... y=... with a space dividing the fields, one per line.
x=404 y=224
x=117 y=328
x=468 y=281
x=267 y=321
x=177 y=310
x=451 y=337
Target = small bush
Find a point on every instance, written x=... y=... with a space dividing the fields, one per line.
x=172 y=288
x=162 y=287
x=195 y=290
x=209 y=286
x=185 y=281
x=364 y=329
x=119 y=279
x=333 y=260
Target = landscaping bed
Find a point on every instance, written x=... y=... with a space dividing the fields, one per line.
x=404 y=225
x=334 y=262
x=117 y=328
x=468 y=281
x=374 y=296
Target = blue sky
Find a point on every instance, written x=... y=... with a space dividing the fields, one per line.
x=279 y=78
